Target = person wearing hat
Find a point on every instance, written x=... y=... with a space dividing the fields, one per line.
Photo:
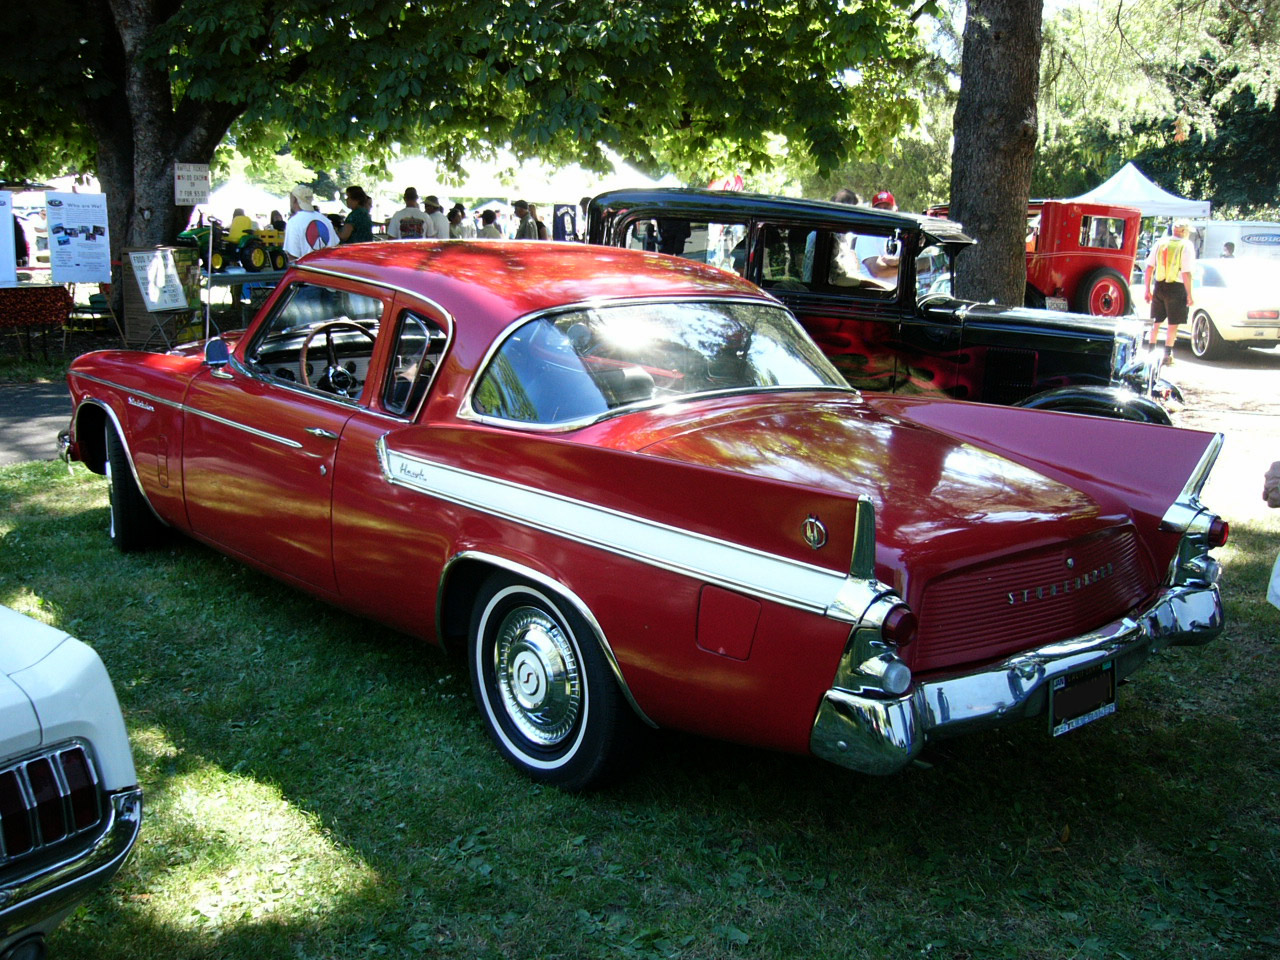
x=1169 y=265
x=879 y=254
x=441 y=223
x=528 y=227
x=307 y=229
x=410 y=223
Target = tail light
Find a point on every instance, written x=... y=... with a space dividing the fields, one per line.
x=900 y=626
x=1263 y=314
x=1219 y=531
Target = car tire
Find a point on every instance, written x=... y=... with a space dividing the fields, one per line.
x=545 y=692
x=1206 y=341
x=1104 y=293
x=132 y=525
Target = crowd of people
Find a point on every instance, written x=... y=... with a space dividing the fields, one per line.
x=421 y=218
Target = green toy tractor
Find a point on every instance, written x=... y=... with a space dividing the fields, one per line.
x=254 y=250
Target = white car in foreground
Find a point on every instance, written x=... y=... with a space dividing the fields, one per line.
x=1237 y=304
x=70 y=807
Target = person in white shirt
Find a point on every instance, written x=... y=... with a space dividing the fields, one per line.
x=432 y=205
x=307 y=229
x=411 y=223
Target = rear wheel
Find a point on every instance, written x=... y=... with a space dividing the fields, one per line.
x=545 y=692
x=1103 y=293
x=1206 y=341
x=253 y=256
x=133 y=526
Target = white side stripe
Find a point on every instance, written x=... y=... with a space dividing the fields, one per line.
x=732 y=566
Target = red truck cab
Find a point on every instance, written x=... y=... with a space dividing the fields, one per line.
x=1080 y=256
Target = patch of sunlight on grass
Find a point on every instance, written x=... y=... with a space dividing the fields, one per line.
x=220 y=849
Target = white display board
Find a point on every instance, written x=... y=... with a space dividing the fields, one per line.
x=158 y=280
x=8 y=251
x=79 y=245
x=190 y=183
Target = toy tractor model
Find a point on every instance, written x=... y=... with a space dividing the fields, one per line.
x=254 y=250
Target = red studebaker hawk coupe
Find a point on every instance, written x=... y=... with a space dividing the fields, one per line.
x=632 y=490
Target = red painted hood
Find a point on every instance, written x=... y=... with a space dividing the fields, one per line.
x=953 y=483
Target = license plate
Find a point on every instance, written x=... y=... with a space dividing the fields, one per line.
x=1055 y=303
x=1081 y=697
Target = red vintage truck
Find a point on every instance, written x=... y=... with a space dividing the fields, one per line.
x=1080 y=256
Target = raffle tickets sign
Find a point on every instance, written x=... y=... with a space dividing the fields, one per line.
x=190 y=183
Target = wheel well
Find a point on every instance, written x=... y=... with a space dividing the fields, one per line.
x=458 y=591
x=91 y=437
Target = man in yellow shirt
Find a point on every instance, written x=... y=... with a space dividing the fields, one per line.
x=1169 y=264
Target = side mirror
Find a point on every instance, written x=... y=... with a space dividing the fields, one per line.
x=216 y=357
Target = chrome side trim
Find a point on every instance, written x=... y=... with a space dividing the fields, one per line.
x=560 y=590
x=272 y=437
x=129 y=390
x=735 y=567
x=880 y=734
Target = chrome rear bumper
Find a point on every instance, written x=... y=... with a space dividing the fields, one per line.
x=881 y=734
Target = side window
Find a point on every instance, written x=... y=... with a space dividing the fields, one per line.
x=721 y=245
x=787 y=263
x=866 y=261
x=1033 y=232
x=1103 y=233
x=319 y=337
x=415 y=355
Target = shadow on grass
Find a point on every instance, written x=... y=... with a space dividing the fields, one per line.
x=318 y=786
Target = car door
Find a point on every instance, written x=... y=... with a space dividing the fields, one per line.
x=262 y=435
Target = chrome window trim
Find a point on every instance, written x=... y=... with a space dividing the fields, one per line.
x=560 y=590
x=705 y=558
x=467 y=411
x=450 y=327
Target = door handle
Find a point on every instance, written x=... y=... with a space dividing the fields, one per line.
x=322 y=433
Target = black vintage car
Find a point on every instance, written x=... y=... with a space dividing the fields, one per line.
x=864 y=283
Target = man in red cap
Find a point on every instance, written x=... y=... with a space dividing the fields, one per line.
x=884 y=201
x=879 y=255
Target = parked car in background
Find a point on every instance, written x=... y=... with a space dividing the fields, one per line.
x=70 y=808
x=1079 y=255
x=901 y=332
x=630 y=489
x=1237 y=305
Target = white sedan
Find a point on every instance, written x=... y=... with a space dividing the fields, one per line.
x=1237 y=304
x=70 y=808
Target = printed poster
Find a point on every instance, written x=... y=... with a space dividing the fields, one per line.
x=190 y=184
x=79 y=245
x=164 y=283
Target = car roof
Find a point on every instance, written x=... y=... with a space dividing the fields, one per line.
x=502 y=280
x=682 y=203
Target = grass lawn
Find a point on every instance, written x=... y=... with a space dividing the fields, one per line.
x=318 y=787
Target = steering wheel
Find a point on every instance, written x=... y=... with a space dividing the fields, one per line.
x=341 y=380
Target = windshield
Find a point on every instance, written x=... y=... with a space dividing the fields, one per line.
x=582 y=364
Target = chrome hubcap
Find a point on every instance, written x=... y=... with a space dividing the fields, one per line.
x=538 y=676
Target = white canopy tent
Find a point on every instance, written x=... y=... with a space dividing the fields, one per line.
x=508 y=177
x=1131 y=188
x=255 y=201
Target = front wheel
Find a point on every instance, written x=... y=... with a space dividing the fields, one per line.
x=1103 y=293
x=545 y=692
x=1206 y=341
x=133 y=526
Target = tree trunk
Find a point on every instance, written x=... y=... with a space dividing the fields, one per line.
x=995 y=139
x=141 y=134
